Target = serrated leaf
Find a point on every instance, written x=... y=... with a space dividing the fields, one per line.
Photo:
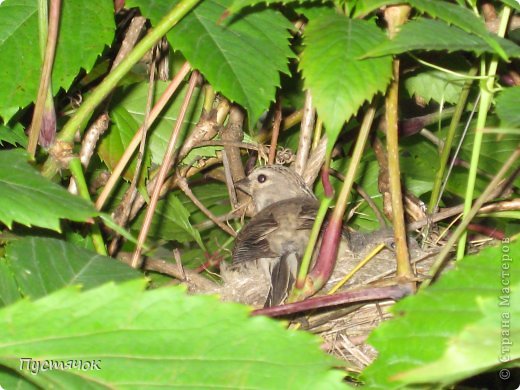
x=435 y=84
x=30 y=199
x=20 y=74
x=439 y=85
x=238 y=5
x=43 y=265
x=364 y=7
x=241 y=58
x=132 y=99
x=171 y=221
x=159 y=338
x=13 y=136
x=427 y=34
x=508 y=102
x=339 y=81
x=460 y=17
x=437 y=318
x=115 y=141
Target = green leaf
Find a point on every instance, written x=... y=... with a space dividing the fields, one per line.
x=309 y=5
x=116 y=140
x=476 y=348
x=171 y=221
x=512 y=3
x=20 y=74
x=427 y=34
x=241 y=57
x=439 y=320
x=159 y=338
x=43 y=265
x=460 y=17
x=30 y=199
x=8 y=287
x=364 y=7
x=315 y=9
x=339 y=81
x=495 y=150
x=14 y=136
x=132 y=100
x=507 y=106
x=439 y=85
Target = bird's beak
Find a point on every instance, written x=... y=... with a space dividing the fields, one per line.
x=244 y=185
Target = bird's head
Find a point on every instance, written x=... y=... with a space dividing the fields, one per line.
x=271 y=184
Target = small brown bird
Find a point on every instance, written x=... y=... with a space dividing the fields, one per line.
x=276 y=237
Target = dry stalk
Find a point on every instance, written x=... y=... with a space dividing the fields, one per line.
x=165 y=167
x=276 y=130
x=305 y=140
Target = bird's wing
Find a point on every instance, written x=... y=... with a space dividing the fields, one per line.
x=252 y=242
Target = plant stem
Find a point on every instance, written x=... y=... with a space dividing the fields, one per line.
x=77 y=172
x=485 y=103
x=470 y=215
x=445 y=154
x=81 y=116
x=395 y=16
x=49 y=35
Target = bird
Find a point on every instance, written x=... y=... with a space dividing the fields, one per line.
x=276 y=237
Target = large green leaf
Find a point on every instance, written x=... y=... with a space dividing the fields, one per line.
x=449 y=321
x=339 y=81
x=475 y=348
x=241 y=57
x=459 y=16
x=160 y=338
x=427 y=34
x=43 y=265
x=508 y=103
x=78 y=46
x=28 y=198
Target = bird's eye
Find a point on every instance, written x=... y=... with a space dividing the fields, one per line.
x=261 y=178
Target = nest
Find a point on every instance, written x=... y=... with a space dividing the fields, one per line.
x=344 y=328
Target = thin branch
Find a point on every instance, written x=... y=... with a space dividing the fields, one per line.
x=305 y=140
x=123 y=217
x=165 y=167
x=231 y=155
x=89 y=143
x=183 y=185
x=134 y=143
x=276 y=129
